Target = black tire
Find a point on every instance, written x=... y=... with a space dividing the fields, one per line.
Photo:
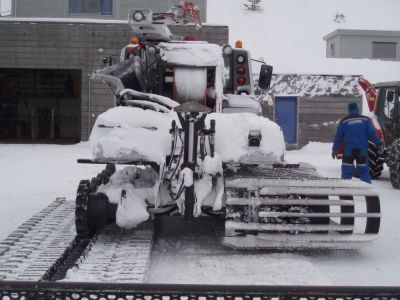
x=375 y=161
x=81 y=207
x=394 y=164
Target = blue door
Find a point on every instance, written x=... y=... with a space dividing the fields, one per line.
x=286 y=117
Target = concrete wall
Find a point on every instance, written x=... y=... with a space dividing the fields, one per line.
x=358 y=43
x=60 y=8
x=57 y=45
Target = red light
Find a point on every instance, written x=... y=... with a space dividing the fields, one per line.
x=241 y=81
x=189 y=38
x=241 y=70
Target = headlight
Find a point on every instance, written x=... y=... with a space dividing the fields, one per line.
x=151 y=49
x=240 y=59
x=227 y=50
x=138 y=16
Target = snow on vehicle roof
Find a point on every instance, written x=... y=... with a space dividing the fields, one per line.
x=198 y=54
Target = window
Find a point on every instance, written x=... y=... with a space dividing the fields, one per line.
x=102 y=7
x=332 y=50
x=386 y=101
x=384 y=50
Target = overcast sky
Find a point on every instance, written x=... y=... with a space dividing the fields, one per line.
x=5 y=6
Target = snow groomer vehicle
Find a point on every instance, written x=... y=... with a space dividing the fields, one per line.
x=186 y=110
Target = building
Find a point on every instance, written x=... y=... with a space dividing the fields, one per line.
x=98 y=9
x=309 y=107
x=372 y=44
x=45 y=90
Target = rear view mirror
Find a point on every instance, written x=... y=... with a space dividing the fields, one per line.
x=264 y=81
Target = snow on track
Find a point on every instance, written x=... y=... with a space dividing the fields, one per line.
x=115 y=255
x=35 y=246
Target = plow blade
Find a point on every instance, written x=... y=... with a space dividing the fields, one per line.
x=298 y=213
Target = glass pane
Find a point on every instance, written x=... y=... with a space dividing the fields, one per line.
x=74 y=6
x=90 y=6
x=383 y=50
x=106 y=7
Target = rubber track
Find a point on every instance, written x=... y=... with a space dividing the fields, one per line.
x=68 y=260
x=45 y=248
x=31 y=250
x=114 y=255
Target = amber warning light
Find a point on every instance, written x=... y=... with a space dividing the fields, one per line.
x=134 y=40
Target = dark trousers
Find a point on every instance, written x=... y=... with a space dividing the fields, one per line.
x=361 y=159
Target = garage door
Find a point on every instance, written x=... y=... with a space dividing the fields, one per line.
x=40 y=105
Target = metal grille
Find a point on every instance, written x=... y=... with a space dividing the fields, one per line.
x=78 y=291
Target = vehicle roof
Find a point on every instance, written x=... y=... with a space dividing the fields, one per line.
x=388 y=84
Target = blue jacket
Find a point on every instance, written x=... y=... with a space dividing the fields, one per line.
x=355 y=130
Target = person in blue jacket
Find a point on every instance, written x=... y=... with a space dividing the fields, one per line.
x=355 y=130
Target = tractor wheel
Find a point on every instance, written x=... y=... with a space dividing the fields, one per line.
x=81 y=208
x=375 y=162
x=394 y=164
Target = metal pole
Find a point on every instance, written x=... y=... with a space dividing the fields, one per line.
x=52 y=125
x=89 y=108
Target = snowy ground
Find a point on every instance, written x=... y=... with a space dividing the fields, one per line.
x=32 y=176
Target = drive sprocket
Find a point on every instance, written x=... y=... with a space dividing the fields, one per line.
x=81 y=209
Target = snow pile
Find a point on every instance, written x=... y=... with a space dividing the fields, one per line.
x=132 y=188
x=212 y=165
x=209 y=189
x=159 y=99
x=197 y=54
x=187 y=177
x=130 y=133
x=232 y=136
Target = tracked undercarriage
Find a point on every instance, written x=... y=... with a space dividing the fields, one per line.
x=278 y=206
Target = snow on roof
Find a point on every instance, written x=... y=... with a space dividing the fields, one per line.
x=361 y=32
x=198 y=54
x=311 y=85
